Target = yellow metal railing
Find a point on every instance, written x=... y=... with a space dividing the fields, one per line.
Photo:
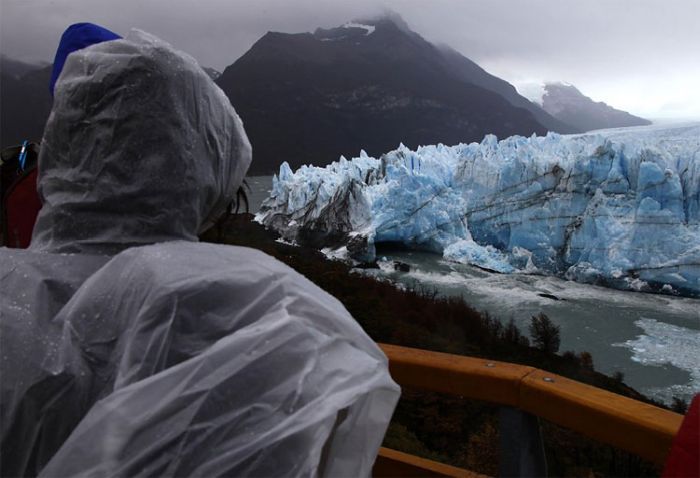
x=637 y=427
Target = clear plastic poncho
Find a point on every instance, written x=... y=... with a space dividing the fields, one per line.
x=129 y=349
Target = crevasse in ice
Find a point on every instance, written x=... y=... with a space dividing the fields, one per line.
x=618 y=207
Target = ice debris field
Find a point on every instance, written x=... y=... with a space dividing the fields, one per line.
x=616 y=207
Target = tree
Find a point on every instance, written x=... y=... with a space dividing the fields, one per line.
x=679 y=405
x=545 y=334
x=511 y=333
x=586 y=360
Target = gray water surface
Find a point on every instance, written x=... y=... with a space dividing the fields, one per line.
x=653 y=340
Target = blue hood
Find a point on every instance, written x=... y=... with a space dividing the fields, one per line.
x=76 y=37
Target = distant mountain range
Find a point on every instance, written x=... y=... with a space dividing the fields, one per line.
x=16 y=68
x=25 y=101
x=568 y=104
x=308 y=98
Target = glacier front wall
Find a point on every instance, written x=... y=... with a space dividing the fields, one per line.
x=620 y=208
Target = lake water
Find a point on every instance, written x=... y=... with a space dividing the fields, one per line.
x=653 y=340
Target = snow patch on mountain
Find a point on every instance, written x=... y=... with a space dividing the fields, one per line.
x=369 y=29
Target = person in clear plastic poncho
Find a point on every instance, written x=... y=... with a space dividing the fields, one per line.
x=129 y=349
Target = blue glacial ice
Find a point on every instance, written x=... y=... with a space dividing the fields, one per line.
x=617 y=207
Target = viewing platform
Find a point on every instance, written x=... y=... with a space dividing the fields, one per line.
x=526 y=394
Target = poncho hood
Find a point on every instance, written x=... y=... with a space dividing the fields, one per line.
x=141 y=147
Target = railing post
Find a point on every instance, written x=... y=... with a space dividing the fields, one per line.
x=522 y=451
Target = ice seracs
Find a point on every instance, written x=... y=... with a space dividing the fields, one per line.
x=620 y=207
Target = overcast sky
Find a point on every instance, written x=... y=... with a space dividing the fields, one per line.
x=642 y=56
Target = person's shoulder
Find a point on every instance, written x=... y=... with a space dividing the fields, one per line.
x=197 y=254
x=175 y=260
x=188 y=269
x=26 y=264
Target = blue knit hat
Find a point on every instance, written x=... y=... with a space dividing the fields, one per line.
x=76 y=37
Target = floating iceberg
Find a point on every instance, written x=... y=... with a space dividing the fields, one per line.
x=618 y=207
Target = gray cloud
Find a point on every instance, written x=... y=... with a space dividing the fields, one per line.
x=639 y=55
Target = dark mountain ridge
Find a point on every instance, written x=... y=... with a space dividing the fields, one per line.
x=311 y=97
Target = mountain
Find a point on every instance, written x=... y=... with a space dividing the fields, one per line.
x=308 y=98
x=568 y=104
x=17 y=68
x=25 y=101
x=213 y=74
x=473 y=73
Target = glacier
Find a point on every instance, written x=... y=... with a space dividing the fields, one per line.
x=619 y=207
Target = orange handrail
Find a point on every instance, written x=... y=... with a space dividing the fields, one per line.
x=625 y=423
x=396 y=463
